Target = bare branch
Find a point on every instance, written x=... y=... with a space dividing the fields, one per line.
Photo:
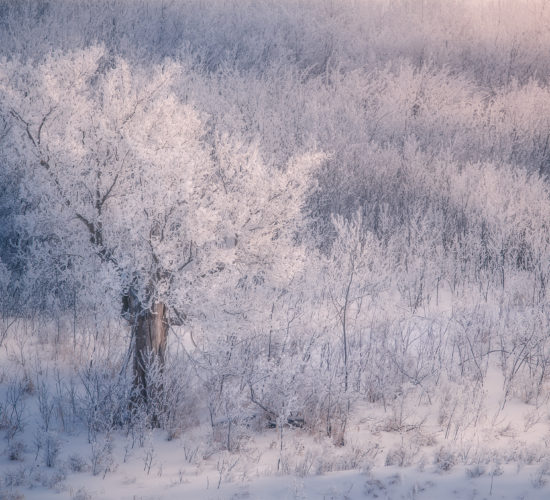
x=108 y=193
x=26 y=123
x=39 y=135
x=189 y=259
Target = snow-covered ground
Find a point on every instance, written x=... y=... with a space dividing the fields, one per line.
x=401 y=452
x=392 y=483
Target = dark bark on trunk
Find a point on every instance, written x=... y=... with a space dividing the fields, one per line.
x=149 y=334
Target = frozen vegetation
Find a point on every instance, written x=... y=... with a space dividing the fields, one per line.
x=259 y=249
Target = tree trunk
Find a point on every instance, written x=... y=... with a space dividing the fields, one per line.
x=150 y=331
x=149 y=334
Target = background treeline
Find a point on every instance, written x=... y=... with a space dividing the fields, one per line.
x=426 y=226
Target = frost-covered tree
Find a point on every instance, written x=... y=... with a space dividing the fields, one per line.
x=125 y=195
